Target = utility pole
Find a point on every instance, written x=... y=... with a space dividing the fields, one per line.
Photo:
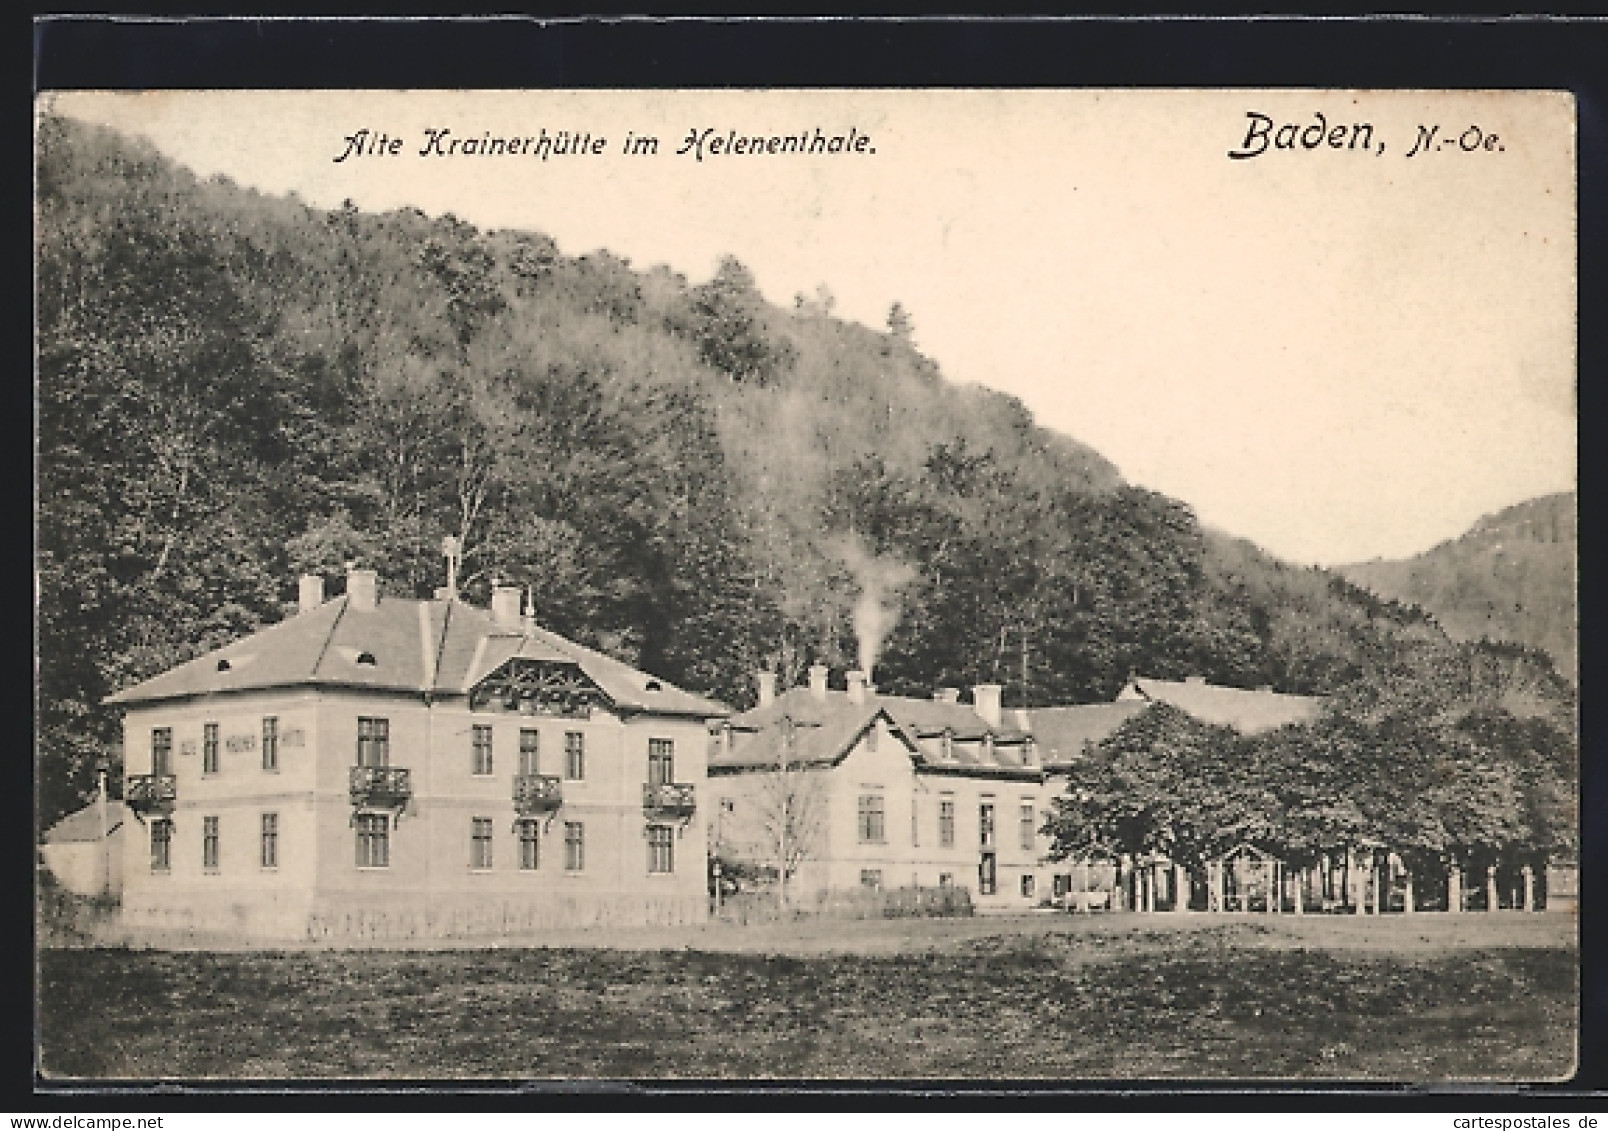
x=105 y=848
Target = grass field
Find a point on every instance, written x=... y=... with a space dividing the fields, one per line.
x=1426 y=998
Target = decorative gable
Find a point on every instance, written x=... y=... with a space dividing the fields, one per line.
x=538 y=687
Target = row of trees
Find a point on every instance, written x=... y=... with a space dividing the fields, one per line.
x=1488 y=789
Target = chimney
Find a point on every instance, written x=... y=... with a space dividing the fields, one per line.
x=1195 y=680
x=767 y=688
x=527 y=620
x=946 y=695
x=309 y=592
x=985 y=701
x=818 y=681
x=1265 y=688
x=505 y=606
x=858 y=685
x=362 y=589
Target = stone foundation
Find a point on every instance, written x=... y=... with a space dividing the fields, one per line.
x=263 y=919
x=478 y=917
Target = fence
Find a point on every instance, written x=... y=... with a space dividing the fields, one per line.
x=761 y=906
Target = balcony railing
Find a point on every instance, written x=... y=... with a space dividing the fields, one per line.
x=150 y=793
x=381 y=787
x=535 y=794
x=670 y=800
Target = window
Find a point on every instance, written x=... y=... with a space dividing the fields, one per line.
x=374 y=743
x=574 y=846
x=661 y=761
x=985 y=824
x=985 y=875
x=946 y=879
x=661 y=848
x=871 y=735
x=529 y=748
x=530 y=844
x=270 y=744
x=209 y=843
x=480 y=843
x=946 y=822
x=373 y=840
x=209 y=748
x=482 y=755
x=270 y=840
x=871 y=819
x=1029 y=829
x=161 y=845
x=162 y=750
x=574 y=755
x=1028 y=886
x=871 y=877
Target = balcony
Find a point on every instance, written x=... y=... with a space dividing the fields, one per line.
x=668 y=801
x=150 y=793
x=537 y=794
x=381 y=787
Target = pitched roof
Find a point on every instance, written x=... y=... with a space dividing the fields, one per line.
x=83 y=825
x=1061 y=732
x=443 y=647
x=826 y=729
x=1249 y=712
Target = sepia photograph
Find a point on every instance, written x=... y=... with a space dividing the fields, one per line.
x=806 y=584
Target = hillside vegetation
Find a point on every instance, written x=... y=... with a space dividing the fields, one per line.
x=235 y=388
x=1511 y=577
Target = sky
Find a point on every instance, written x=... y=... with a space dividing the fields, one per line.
x=1344 y=351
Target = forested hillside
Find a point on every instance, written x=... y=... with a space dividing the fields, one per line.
x=1511 y=577
x=234 y=389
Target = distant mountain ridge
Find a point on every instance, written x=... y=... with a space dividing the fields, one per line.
x=1512 y=576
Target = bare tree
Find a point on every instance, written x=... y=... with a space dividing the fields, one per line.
x=790 y=808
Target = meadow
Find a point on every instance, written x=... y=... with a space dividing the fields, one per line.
x=1426 y=998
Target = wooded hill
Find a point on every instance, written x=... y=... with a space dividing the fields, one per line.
x=235 y=388
x=1510 y=577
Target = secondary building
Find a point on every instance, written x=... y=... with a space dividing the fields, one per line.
x=377 y=767
x=854 y=788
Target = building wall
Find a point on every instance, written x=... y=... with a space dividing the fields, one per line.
x=240 y=893
x=87 y=867
x=911 y=850
x=429 y=887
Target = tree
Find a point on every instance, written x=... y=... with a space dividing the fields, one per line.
x=729 y=326
x=790 y=812
x=900 y=324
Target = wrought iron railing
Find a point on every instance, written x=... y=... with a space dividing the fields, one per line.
x=382 y=787
x=150 y=793
x=669 y=800
x=535 y=794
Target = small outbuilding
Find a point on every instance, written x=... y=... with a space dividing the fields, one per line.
x=84 y=850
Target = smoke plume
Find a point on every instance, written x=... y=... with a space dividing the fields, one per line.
x=876 y=612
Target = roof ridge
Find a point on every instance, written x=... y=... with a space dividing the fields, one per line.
x=318 y=660
x=441 y=645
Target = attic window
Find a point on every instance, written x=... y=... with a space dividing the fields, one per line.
x=653 y=685
x=224 y=665
x=366 y=658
